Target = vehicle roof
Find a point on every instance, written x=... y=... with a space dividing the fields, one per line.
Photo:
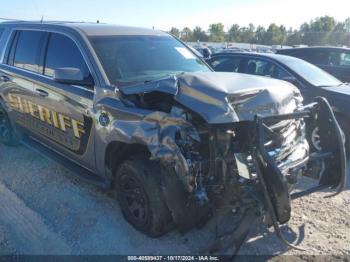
x=313 y=48
x=90 y=29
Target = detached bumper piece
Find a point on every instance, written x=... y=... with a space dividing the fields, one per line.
x=273 y=183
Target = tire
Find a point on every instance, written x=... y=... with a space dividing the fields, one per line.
x=315 y=140
x=140 y=197
x=7 y=134
x=345 y=126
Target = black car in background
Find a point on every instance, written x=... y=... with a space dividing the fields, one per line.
x=334 y=60
x=311 y=80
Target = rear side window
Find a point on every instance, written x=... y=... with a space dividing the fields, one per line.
x=345 y=59
x=26 y=51
x=318 y=57
x=63 y=52
x=339 y=58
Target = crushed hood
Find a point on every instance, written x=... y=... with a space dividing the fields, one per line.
x=226 y=97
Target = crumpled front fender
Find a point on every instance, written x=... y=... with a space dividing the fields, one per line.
x=154 y=129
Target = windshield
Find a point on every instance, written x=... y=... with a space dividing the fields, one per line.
x=310 y=73
x=133 y=59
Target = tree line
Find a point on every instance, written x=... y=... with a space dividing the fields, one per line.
x=320 y=31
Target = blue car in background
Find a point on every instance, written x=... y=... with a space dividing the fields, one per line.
x=310 y=80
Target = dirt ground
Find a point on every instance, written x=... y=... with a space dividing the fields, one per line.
x=44 y=209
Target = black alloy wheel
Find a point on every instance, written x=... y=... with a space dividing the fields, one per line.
x=140 y=196
x=135 y=199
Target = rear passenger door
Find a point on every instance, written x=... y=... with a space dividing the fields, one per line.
x=18 y=71
x=55 y=114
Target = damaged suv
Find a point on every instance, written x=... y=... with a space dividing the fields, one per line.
x=137 y=111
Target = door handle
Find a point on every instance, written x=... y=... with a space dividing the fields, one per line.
x=4 y=78
x=41 y=92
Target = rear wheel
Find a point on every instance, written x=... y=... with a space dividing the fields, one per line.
x=7 y=135
x=140 y=197
x=315 y=139
x=316 y=167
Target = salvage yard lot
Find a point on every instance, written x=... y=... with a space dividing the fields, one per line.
x=46 y=210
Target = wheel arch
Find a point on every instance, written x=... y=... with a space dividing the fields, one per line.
x=116 y=152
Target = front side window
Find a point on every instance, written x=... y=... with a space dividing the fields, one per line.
x=265 y=68
x=280 y=73
x=129 y=60
x=226 y=64
x=63 y=52
x=26 y=51
x=259 y=67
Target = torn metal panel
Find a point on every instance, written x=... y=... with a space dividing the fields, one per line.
x=154 y=129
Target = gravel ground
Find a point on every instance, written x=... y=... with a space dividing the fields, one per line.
x=46 y=210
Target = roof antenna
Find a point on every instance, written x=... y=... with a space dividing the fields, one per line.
x=42 y=19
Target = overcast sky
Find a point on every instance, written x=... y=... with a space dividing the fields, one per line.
x=163 y=14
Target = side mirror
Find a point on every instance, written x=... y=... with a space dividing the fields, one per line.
x=291 y=79
x=72 y=76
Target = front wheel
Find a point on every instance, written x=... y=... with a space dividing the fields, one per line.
x=7 y=134
x=140 y=197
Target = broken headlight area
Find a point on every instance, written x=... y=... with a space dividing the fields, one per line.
x=251 y=167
